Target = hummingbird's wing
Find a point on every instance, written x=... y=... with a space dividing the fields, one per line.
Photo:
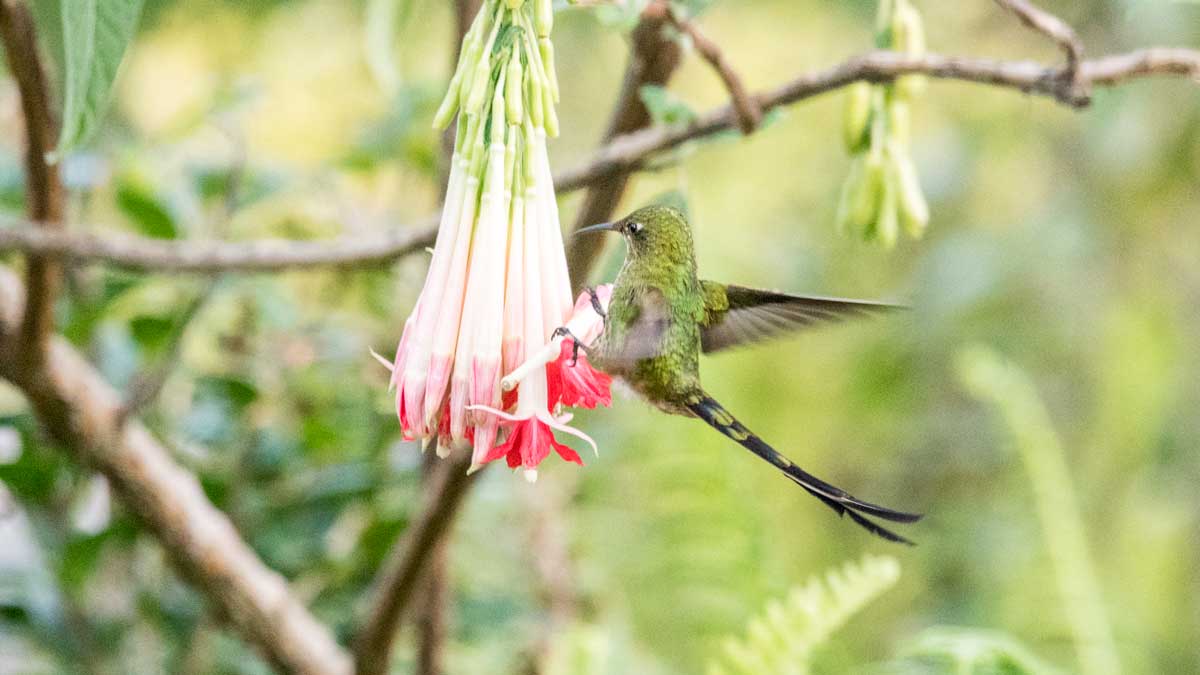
x=736 y=315
x=645 y=319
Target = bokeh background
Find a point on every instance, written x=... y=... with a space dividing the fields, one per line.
x=1065 y=241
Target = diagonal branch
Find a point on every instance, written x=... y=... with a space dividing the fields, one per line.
x=1052 y=27
x=748 y=111
x=81 y=412
x=397 y=583
x=44 y=194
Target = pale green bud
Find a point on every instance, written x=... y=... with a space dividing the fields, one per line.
x=898 y=121
x=514 y=91
x=497 y=116
x=528 y=158
x=914 y=210
x=856 y=124
x=543 y=17
x=547 y=53
x=479 y=84
x=551 y=119
x=864 y=205
x=908 y=30
x=449 y=105
x=887 y=226
x=514 y=5
x=533 y=98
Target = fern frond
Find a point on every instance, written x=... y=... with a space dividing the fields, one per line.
x=781 y=640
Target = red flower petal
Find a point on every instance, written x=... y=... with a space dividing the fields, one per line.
x=579 y=385
x=529 y=442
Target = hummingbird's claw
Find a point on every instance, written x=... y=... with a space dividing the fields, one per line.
x=576 y=344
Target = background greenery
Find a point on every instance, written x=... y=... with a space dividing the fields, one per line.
x=1066 y=241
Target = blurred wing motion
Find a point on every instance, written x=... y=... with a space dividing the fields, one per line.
x=645 y=330
x=736 y=315
x=707 y=409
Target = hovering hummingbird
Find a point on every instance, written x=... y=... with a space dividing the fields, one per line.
x=662 y=316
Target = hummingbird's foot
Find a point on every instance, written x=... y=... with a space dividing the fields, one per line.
x=596 y=306
x=576 y=343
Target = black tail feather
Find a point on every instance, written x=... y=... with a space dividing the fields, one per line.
x=707 y=409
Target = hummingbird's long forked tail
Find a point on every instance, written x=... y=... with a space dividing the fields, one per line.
x=707 y=409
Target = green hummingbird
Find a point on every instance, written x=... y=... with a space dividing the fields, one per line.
x=661 y=316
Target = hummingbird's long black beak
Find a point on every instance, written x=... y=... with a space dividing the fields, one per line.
x=599 y=227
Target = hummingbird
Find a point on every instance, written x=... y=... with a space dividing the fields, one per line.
x=662 y=316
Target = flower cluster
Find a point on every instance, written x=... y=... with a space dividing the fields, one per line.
x=497 y=285
x=882 y=192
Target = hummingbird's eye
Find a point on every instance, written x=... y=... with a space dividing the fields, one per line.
x=635 y=228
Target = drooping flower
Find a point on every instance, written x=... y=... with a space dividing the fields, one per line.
x=497 y=285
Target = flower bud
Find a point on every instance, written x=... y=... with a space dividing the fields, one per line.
x=910 y=199
x=849 y=191
x=546 y=50
x=856 y=123
x=887 y=227
x=865 y=203
x=514 y=91
x=543 y=17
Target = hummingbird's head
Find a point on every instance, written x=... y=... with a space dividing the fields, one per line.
x=653 y=232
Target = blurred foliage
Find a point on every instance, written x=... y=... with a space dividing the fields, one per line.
x=1064 y=239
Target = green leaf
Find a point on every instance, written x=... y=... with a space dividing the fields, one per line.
x=95 y=35
x=665 y=107
x=146 y=211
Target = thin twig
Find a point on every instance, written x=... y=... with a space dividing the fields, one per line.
x=652 y=60
x=146 y=386
x=749 y=112
x=397 y=581
x=79 y=409
x=44 y=196
x=1052 y=27
x=1060 y=32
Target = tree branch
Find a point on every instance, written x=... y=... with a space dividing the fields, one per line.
x=628 y=149
x=81 y=411
x=396 y=583
x=44 y=196
x=749 y=113
x=653 y=60
x=1052 y=27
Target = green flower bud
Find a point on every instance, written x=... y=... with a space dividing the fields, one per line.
x=528 y=167
x=510 y=157
x=914 y=210
x=856 y=124
x=908 y=30
x=514 y=91
x=533 y=98
x=479 y=84
x=449 y=105
x=514 y=5
x=898 y=121
x=864 y=205
x=543 y=16
x=497 y=116
x=887 y=227
x=551 y=119
x=546 y=49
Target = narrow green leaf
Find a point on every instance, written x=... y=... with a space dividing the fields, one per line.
x=95 y=36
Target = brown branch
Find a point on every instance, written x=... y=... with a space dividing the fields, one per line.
x=398 y=581
x=749 y=113
x=1058 y=31
x=81 y=412
x=628 y=149
x=1052 y=27
x=210 y=257
x=44 y=194
x=653 y=60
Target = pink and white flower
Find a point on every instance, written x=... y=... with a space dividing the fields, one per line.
x=497 y=285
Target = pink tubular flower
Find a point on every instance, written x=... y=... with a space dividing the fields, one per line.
x=497 y=285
